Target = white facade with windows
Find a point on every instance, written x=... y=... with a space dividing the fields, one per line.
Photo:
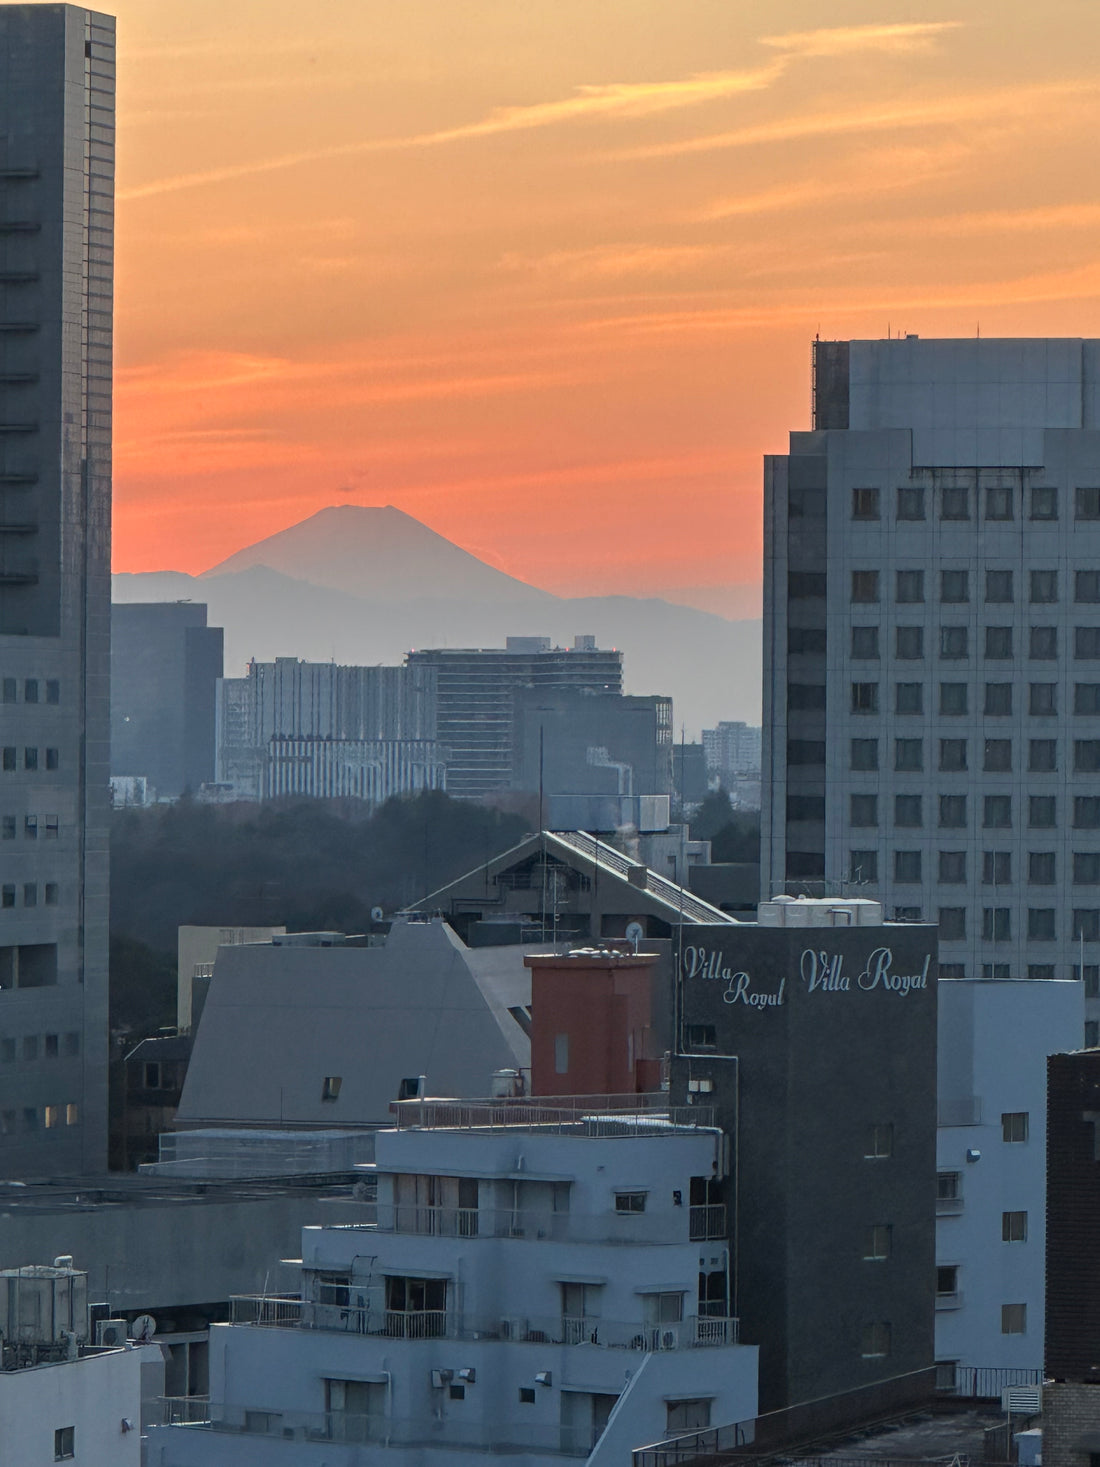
x=932 y=648
x=537 y=1286
x=994 y=1039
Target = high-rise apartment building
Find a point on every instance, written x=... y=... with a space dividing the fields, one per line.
x=932 y=647
x=57 y=85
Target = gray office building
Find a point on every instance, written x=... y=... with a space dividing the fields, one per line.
x=932 y=648
x=57 y=85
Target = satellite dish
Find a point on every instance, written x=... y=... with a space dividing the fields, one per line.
x=143 y=1328
x=376 y=914
x=634 y=933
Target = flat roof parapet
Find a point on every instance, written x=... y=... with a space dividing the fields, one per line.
x=574 y=1115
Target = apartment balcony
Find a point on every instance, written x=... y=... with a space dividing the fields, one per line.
x=284 y=1311
x=693 y=1224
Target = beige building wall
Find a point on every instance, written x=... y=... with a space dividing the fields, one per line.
x=196 y=953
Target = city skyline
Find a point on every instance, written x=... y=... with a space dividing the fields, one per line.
x=511 y=272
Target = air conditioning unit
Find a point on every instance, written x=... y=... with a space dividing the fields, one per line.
x=110 y=1333
x=670 y=1339
x=512 y=1328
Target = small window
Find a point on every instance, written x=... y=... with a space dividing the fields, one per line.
x=998 y=503
x=907 y=867
x=876 y=1244
x=863 y=867
x=30 y=827
x=952 y=812
x=1086 y=586
x=330 y=1087
x=863 y=810
x=865 y=585
x=910 y=502
x=527 y=1395
x=1042 y=756
x=72 y=1114
x=953 y=643
x=1042 y=699
x=456 y=1392
x=996 y=924
x=880 y=1141
x=910 y=587
x=1043 y=644
x=53 y=690
x=948 y=1186
x=998 y=585
x=1086 y=504
x=909 y=755
x=9 y=756
x=51 y=1117
x=864 y=754
x=909 y=698
x=30 y=758
x=806 y=639
x=997 y=756
x=953 y=699
x=30 y=893
x=996 y=868
x=52 y=759
x=9 y=827
x=50 y=827
x=685 y=1416
x=955 y=503
x=1040 y=924
x=1014 y=1319
x=7 y=894
x=908 y=812
x=998 y=643
x=806 y=696
x=1044 y=587
x=702 y=1036
x=1040 y=972
x=947 y=1281
x=10 y=690
x=865 y=504
x=952 y=868
x=30 y=690
x=1086 y=698
x=1042 y=868
x=64 y=1443
x=954 y=972
x=1086 y=812
x=1013 y=1227
x=1086 y=924
x=52 y=1046
x=561 y=1054
x=1091 y=978
x=997 y=812
x=909 y=643
x=630 y=1202
x=954 y=586
x=152 y=1075
x=865 y=643
x=1044 y=502
x=952 y=924
x=998 y=700
x=865 y=697
x=875 y=1340
x=1014 y=1125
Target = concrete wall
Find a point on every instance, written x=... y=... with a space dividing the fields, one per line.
x=94 y=1395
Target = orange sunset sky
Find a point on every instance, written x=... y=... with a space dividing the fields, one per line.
x=544 y=273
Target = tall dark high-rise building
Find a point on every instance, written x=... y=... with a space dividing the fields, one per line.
x=57 y=88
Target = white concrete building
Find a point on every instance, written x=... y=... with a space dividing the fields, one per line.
x=994 y=1039
x=530 y=1290
x=932 y=647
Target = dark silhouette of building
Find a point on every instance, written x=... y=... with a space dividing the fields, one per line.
x=165 y=666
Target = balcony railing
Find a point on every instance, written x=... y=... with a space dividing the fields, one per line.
x=282 y=1312
x=575 y=1115
x=708 y=1222
x=542 y=1225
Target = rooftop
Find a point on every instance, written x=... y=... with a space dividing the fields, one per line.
x=575 y=1115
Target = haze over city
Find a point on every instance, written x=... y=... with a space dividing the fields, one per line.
x=519 y=270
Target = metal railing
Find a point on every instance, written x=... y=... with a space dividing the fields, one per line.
x=982 y=1382
x=543 y=1224
x=708 y=1222
x=281 y=1312
x=581 y=1115
x=190 y=1413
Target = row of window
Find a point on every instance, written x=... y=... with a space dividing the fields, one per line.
x=998 y=502
x=50 y=690
x=1042 y=812
x=909 y=586
x=998 y=643
x=35 y=1046
x=39 y=1118
x=30 y=891
x=32 y=758
x=1042 y=867
x=996 y=755
x=34 y=826
x=1084 y=925
x=997 y=703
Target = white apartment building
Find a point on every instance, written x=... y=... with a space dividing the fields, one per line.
x=994 y=1039
x=932 y=648
x=530 y=1291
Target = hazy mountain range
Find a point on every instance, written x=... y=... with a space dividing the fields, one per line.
x=358 y=585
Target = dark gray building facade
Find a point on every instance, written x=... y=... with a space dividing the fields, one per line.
x=165 y=666
x=57 y=84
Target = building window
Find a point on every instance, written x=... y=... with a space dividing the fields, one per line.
x=876 y=1244
x=527 y=1395
x=1013 y=1227
x=864 y=810
x=1086 y=756
x=53 y=690
x=952 y=924
x=806 y=585
x=30 y=690
x=1086 y=812
x=865 y=697
x=953 y=643
x=51 y=893
x=1042 y=699
x=996 y=868
x=630 y=1202
x=947 y=1281
x=806 y=639
x=909 y=755
x=1086 y=924
x=72 y=1114
x=1041 y=868
x=954 y=586
x=52 y=759
x=1086 y=868
x=997 y=812
x=1086 y=586
x=7 y=894
x=51 y=1115
x=948 y=1186
x=1092 y=1034
x=1044 y=587
x=998 y=502
x=9 y=756
x=952 y=971
x=30 y=893
x=30 y=827
x=865 y=504
x=998 y=700
x=907 y=866
x=1040 y=972
x=805 y=751
x=909 y=587
x=864 y=754
x=875 y=1340
x=865 y=642
x=997 y=756
x=1014 y=1125
x=1086 y=643
x=1043 y=644
x=955 y=503
x=561 y=1054
x=1091 y=978
x=1086 y=698
x=998 y=643
x=684 y=1416
x=330 y=1087
x=1086 y=504
x=908 y=812
x=64 y=1443
x=952 y=812
x=803 y=697
x=1044 y=502
x=909 y=643
x=1014 y=1319
x=909 y=698
x=52 y=1046
x=865 y=585
x=952 y=868
x=30 y=758
x=702 y=1036
x=1040 y=924
x=996 y=924
x=998 y=585
x=9 y=827
x=863 y=866
x=10 y=690
x=911 y=502
x=880 y=1141
x=953 y=699
x=1042 y=756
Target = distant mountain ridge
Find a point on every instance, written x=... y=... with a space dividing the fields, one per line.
x=363 y=586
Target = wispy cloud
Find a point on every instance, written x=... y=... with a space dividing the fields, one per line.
x=848 y=40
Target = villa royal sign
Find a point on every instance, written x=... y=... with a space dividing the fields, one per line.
x=821 y=972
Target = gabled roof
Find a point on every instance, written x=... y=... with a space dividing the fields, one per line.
x=587 y=855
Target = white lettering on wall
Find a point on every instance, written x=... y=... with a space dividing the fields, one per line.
x=820 y=971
